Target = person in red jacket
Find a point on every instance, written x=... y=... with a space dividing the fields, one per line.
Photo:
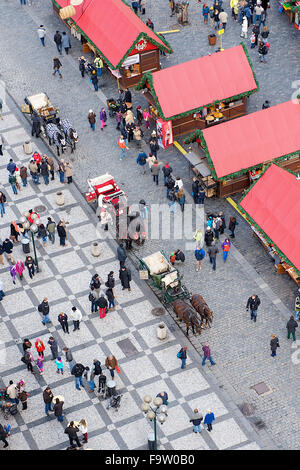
x=40 y=347
x=37 y=158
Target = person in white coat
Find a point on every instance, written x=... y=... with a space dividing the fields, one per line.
x=244 y=27
x=76 y=316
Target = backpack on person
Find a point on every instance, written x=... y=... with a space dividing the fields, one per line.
x=40 y=308
x=12 y=179
x=179 y=355
x=92 y=298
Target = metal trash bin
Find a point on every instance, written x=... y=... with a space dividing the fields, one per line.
x=25 y=245
x=111 y=388
x=27 y=147
x=212 y=39
x=151 y=441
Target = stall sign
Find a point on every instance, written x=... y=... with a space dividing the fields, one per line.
x=164 y=133
x=141 y=45
x=133 y=59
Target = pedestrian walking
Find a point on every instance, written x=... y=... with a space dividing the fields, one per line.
x=232 y=225
x=33 y=169
x=123 y=147
x=205 y=13
x=82 y=65
x=207 y=355
x=111 y=364
x=253 y=303
x=69 y=358
x=226 y=247
x=40 y=363
x=53 y=347
x=13 y=183
x=83 y=429
x=65 y=42
x=244 y=27
x=181 y=199
x=69 y=172
x=92 y=119
x=196 y=419
x=182 y=354
x=11 y=167
x=58 y=410
x=164 y=396
x=94 y=80
x=12 y=392
x=209 y=236
x=78 y=370
x=72 y=430
x=59 y=366
x=56 y=66
x=155 y=170
x=13 y=273
x=61 y=170
x=142 y=161
x=23 y=397
x=167 y=171
x=42 y=33
x=3 y=436
x=223 y=17
x=76 y=316
x=58 y=41
x=99 y=66
x=50 y=227
x=42 y=233
x=291 y=328
x=44 y=308
x=209 y=419
x=102 y=304
x=62 y=233
x=223 y=226
x=2 y=202
x=29 y=263
x=262 y=50
x=199 y=255
x=121 y=254
x=93 y=300
x=40 y=347
x=45 y=171
x=48 y=397
x=28 y=359
x=8 y=246
x=23 y=175
x=212 y=252
x=63 y=320
x=20 y=268
x=195 y=190
x=26 y=345
x=103 y=118
x=274 y=344
x=125 y=278
x=96 y=282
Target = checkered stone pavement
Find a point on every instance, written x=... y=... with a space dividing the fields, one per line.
x=150 y=367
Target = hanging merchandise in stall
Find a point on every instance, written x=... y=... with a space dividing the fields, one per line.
x=202 y=92
x=249 y=144
x=111 y=30
x=164 y=133
x=292 y=9
x=271 y=206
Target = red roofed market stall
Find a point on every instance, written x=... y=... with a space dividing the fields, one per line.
x=113 y=31
x=272 y=207
x=202 y=92
x=237 y=151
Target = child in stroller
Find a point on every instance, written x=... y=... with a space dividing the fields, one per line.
x=114 y=402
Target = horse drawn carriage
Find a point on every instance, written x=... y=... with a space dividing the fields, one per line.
x=164 y=277
x=42 y=106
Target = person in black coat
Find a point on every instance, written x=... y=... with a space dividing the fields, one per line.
x=102 y=302
x=253 y=303
x=82 y=65
x=63 y=320
x=3 y=436
x=291 y=328
x=208 y=236
x=223 y=226
x=53 y=347
x=121 y=254
x=26 y=344
x=153 y=147
x=61 y=233
x=127 y=96
x=111 y=298
x=36 y=124
x=110 y=283
x=179 y=255
x=274 y=344
x=125 y=278
x=72 y=431
x=195 y=190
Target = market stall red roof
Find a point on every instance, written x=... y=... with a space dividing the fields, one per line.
x=200 y=82
x=251 y=140
x=112 y=27
x=273 y=204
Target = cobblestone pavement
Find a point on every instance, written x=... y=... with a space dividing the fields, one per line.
x=240 y=348
x=148 y=365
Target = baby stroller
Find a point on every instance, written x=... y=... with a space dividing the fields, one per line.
x=102 y=389
x=114 y=402
x=89 y=67
x=9 y=409
x=113 y=106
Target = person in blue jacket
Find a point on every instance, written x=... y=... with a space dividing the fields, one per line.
x=141 y=161
x=209 y=418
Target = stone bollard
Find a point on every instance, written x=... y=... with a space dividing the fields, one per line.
x=60 y=198
x=96 y=249
x=161 y=331
x=27 y=146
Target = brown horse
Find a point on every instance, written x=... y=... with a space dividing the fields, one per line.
x=186 y=313
x=201 y=307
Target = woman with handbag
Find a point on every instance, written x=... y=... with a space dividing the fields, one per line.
x=112 y=364
x=23 y=396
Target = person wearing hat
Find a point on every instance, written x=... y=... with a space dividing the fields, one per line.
x=94 y=80
x=266 y=105
x=92 y=119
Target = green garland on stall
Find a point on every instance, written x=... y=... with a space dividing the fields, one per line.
x=147 y=77
x=265 y=236
x=141 y=35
